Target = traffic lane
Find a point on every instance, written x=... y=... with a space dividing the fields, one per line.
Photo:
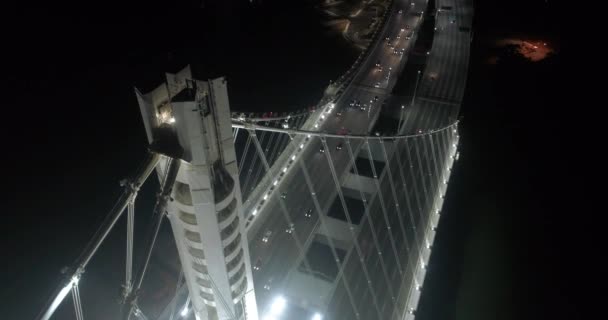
x=278 y=222
x=386 y=54
x=285 y=251
x=281 y=253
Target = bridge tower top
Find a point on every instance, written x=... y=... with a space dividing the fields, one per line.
x=205 y=214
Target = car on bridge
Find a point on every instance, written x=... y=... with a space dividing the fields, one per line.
x=268 y=284
x=322 y=150
x=283 y=195
x=308 y=213
x=267 y=236
x=339 y=146
x=257 y=265
x=290 y=229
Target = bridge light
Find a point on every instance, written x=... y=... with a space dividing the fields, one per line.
x=301 y=146
x=316 y=125
x=265 y=196
x=284 y=169
x=322 y=117
x=172 y=120
x=277 y=307
x=275 y=183
x=255 y=211
x=293 y=157
x=317 y=316
x=184 y=311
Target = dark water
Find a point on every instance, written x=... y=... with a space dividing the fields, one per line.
x=503 y=243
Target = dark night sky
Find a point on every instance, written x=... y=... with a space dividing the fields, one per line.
x=506 y=244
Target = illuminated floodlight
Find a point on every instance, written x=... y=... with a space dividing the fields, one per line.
x=285 y=169
x=285 y=126
x=265 y=196
x=308 y=136
x=316 y=125
x=301 y=145
x=322 y=117
x=275 y=183
x=278 y=306
x=255 y=211
x=184 y=311
x=172 y=120
x=317 y=316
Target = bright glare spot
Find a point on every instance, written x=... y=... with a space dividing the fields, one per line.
x=265 y=196
x=316 y=125
x=184 y=311
x=275 y=182
x=254 y=212
x=172 y=120
x=284 y=169
x=322 y=117
x=308 y=136
x=278 y=305
x=301 y=146
x=293 y=157
x=317 y=316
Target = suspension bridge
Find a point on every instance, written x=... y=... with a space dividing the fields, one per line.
x=323 y=213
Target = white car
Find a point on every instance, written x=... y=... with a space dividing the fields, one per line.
x=291 y=228
x=308 y=213
x=267 y=284
x=267 y=236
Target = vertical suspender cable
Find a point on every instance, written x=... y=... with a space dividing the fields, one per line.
x=351 y=228
x=330 y=240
